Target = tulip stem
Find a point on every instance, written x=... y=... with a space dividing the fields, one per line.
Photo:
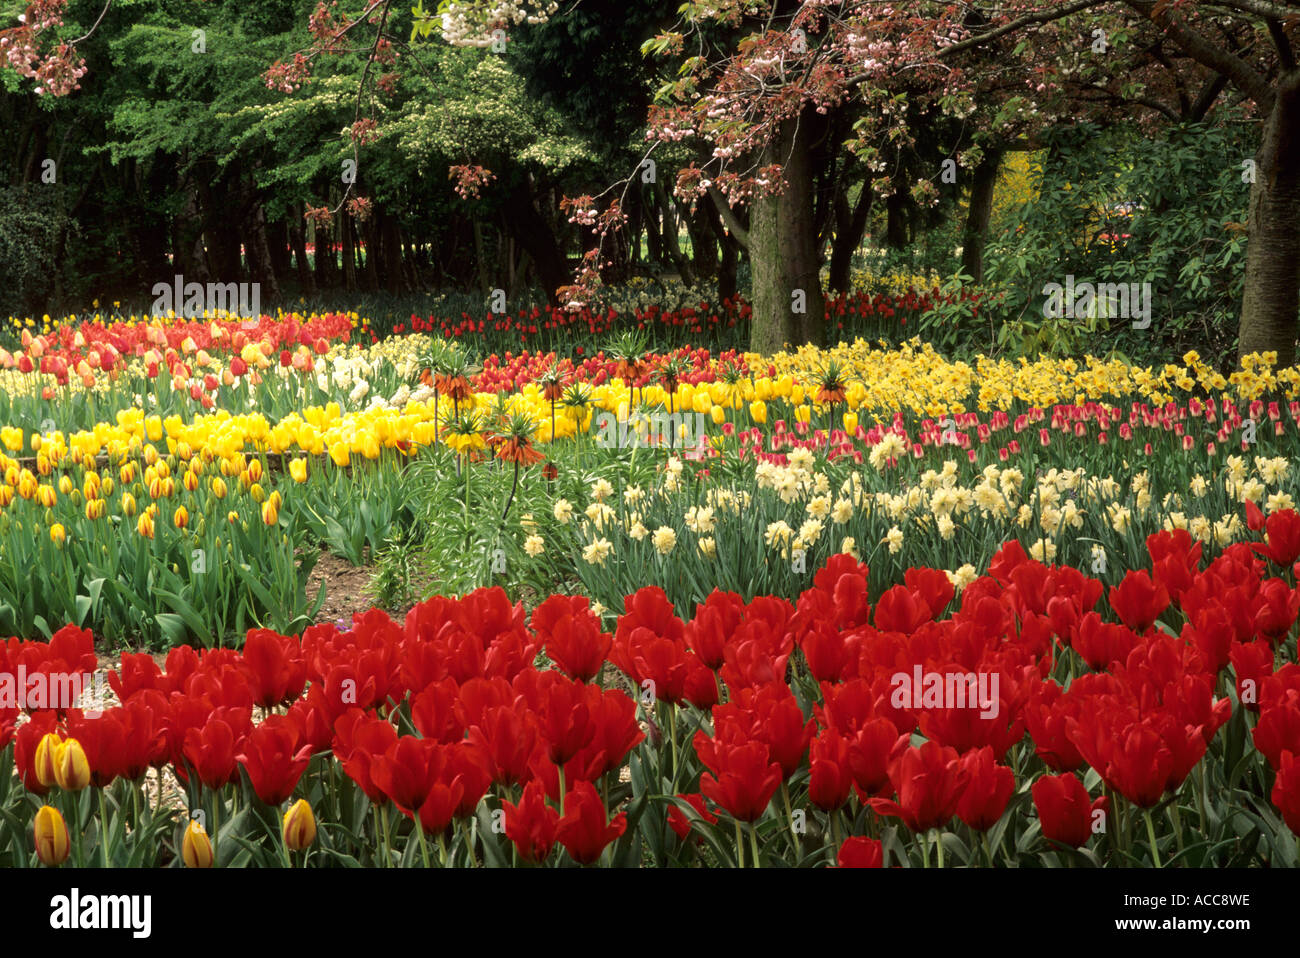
x=103 y=827
x=442 y=848
x=753 y=844
x=672 y=735
x=560 y=767
x=216 y=822
x=1177 y=823
x=1151 y=834
x=740 y=846
x=387 y=852
x=938 y=845
x=789 y=811
x=424 y=845
x=469 y=844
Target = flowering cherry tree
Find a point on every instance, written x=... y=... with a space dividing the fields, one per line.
x=767 y=85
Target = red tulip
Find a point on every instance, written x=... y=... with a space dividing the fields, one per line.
x=1065 y=812
x=211 y=749
x=1286 y=791
x=830 y=777
x=1138 y=600
x=1282 y=538
x=861 y=852
x=275 y=666
x=407 y=771
x=572 y=636
x=274 y=759
x=746 y=779
x=678 y=820
x=584 y=830
x=988 y=790
x=359 y=740
x=929 y=782
x=532 y=824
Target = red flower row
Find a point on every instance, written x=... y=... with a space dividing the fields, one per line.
x=975 y=684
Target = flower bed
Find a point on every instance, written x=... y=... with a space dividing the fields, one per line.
x=1157 y=726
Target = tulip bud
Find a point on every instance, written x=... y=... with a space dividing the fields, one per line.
x=50 y=833
x=299 y=826
x=196 y=847
x=46 y=749
x=58 y=535
x=71 y=768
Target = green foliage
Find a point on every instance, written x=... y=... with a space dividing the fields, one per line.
x=32 y=220
x=1111 y=206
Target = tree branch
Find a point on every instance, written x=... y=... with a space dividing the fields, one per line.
x=738 y=232
x=1203 y=51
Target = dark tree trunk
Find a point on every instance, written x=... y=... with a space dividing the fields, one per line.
x=977 y=217
x=704 y=247
x=277 y=235
x=306 y=281
x=261 y=261
x=326 y=265
x=670 y=241
x=349 y=255
x=1272 y=294
x=896 y=235
x=850 y=227
x=730 y=260
x=534 y=234
x=783 y=247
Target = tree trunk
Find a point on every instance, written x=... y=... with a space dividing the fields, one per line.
x=977 y=217
x=326 y=265
x=671 y=242
x=704 y=249
x=306 y=281
x=788 y=302
x=850 y=229
x=1272 y=294
x=896 y=236
x=349 y=255
x=535 y=235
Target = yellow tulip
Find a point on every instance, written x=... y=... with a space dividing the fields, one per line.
x=181 y=517
x=299 y=826
x=51 y=835
x=219 y=487
x=145 y=525
x=758 y=411
x=850 y=422
x=58 y=535
x=270 y=514
x=128 y=504
x=719 y=415
x=298 y=470
x=196 y=847
x=46 y=749
x=71 y=768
